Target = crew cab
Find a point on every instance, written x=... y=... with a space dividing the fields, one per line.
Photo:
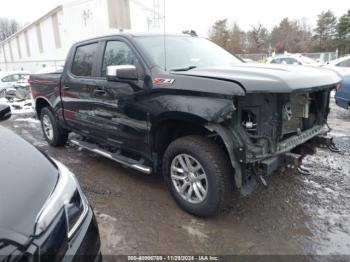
x=184 y=107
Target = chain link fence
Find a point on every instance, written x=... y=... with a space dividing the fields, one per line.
x=323 y=57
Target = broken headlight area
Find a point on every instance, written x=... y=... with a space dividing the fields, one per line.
x=250 y=120
x=266 y=122
x=293 y=113
x=66 y=195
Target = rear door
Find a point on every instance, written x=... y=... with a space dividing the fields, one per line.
x=77 y=84
x=124 y=123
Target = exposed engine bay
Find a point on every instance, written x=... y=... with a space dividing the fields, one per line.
x=276 y=123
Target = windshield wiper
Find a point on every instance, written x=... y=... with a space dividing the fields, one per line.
x=183 y=69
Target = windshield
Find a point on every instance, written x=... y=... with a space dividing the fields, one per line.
x=185 y=52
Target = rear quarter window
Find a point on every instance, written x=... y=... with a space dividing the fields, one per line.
x=83 y=60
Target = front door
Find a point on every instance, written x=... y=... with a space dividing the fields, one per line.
x=125 y=124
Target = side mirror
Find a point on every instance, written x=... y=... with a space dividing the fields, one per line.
x=127 y=72
x=5 y=112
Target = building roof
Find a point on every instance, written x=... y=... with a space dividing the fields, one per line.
x=55 y=10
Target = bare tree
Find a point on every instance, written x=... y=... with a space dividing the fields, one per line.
x=258 y=39
x=8 y=27
x=220 y=34
x=295 y=36
x=237 y=40
x=292 y=36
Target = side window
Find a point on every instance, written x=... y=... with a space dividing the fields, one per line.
x=83 y=60
x=283 y=61
x=10 y=78
x=276 y=61
x=15 y=78
x=6 y=79
x=118 y=53
x=345 y=63
x=290 y=61
x=26 y=77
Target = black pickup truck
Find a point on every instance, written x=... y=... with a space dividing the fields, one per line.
x=184 y=107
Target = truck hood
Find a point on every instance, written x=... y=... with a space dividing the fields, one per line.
x=27 y=179
x=269 y=78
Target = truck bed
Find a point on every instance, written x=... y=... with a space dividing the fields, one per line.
x=46 y=86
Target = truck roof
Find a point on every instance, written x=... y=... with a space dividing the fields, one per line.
x=129 y=35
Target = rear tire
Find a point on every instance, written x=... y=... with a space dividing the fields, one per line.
x=209 y=185
x=53 y=133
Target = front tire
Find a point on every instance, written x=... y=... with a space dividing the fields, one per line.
x=198 y=174
x=53 y=133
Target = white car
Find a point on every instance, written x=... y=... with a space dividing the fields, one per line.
x=9 y=79
x=50 y=69
x=340 y=65
x=292 y=60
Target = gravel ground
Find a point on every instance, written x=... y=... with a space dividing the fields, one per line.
x=293 y=215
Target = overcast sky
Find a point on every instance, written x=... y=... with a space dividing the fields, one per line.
x=201 y=14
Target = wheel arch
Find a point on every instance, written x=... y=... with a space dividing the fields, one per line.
x=171 y=125
x=231 y=145
x=166 y=130
x=40 y=103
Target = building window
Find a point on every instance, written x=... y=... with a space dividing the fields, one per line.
x=83 y=60
x=56 y=31
x=40 y=40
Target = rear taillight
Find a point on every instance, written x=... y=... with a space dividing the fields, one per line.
x=338 y=86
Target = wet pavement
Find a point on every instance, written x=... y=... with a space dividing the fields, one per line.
x=294 y=215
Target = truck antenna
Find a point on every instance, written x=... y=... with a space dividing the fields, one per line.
x=164 y=36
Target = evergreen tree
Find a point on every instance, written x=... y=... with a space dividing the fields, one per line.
x=325 y=31
x=343 y=33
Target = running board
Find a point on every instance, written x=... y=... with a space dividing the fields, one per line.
x=113 y=156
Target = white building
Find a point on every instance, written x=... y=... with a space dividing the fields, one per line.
x=46 y=41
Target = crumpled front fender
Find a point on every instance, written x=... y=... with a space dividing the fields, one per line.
x=233 y=147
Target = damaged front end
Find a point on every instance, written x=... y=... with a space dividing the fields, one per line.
x=275 y=127
x=271 y=131
x=272 y=124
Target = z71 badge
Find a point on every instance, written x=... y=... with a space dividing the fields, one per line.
x=163 y=81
